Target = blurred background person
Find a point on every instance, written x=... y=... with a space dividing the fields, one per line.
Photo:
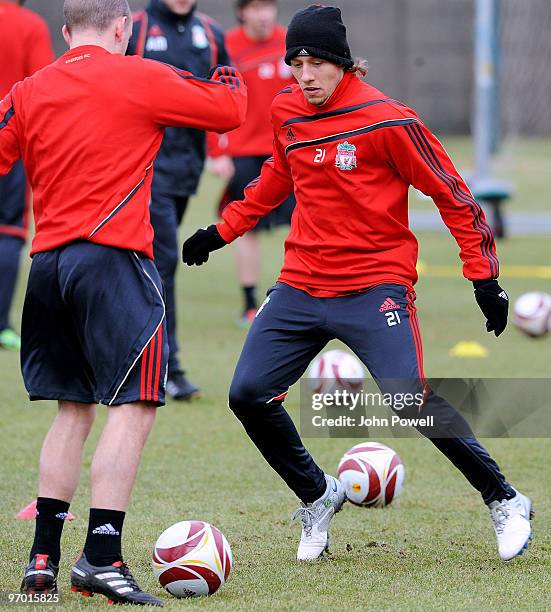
x=25 y=47
x=257 y=49
x=172 y=31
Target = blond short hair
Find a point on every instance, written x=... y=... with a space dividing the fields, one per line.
x=93 y=14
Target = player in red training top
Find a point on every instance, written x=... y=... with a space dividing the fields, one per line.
x=257 y=49
x=351 y=153
x=25 y=47
x=88 y=128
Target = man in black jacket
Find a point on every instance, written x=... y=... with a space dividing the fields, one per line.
x=172 y=31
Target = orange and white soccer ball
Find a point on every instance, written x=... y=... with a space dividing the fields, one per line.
x=372 y=474
x=532 y=313
x=336 y=370
x=192 y=559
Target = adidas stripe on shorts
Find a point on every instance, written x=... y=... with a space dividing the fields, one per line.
x=93 y=328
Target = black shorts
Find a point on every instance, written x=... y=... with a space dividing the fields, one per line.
x=246 y=170
x=93 y=328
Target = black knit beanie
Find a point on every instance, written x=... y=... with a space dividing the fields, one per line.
x=319 y=31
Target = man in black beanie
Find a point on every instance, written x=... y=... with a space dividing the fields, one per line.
x=320 y=32
x=317 y=36
x=350 y=153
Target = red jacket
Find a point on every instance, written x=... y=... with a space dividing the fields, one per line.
x=351 y=163
x=88 y=128
x=265 y=72
x=25 y=45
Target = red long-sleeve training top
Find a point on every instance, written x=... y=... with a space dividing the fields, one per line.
x=88 y=128
x=266 y=74
x=25 y=47
x=25 y=44
x=351 y=163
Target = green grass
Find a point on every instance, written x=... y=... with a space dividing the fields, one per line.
x=433 y=549
x=523 y=163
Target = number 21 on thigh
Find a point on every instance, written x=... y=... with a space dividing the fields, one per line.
x=393 y=318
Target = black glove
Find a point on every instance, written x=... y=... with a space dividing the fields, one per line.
x=197 y=248
x=494 y=303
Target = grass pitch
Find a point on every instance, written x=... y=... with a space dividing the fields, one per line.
x=432 y=549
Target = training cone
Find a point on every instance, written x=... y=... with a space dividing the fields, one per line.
x=28 y=513
x=466 y=350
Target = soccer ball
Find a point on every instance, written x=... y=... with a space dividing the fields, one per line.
x=192 y=559
x=372 y=474
x=532 y=313
x=336 y=370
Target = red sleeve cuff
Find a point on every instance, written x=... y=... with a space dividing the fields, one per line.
x=226 y=232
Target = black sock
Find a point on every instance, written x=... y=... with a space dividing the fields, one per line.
x=50 y=518
x=103 y=542
x=250 y=297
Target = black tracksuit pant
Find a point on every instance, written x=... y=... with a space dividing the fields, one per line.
x=290 y=330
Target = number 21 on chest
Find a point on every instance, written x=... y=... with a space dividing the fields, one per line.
x=320 y=156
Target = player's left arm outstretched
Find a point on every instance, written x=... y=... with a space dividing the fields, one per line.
x=420 y=159
x=264 y=194
x=180 y=99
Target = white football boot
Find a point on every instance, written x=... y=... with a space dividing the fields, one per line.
x=511 y=518
x=315 y=519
